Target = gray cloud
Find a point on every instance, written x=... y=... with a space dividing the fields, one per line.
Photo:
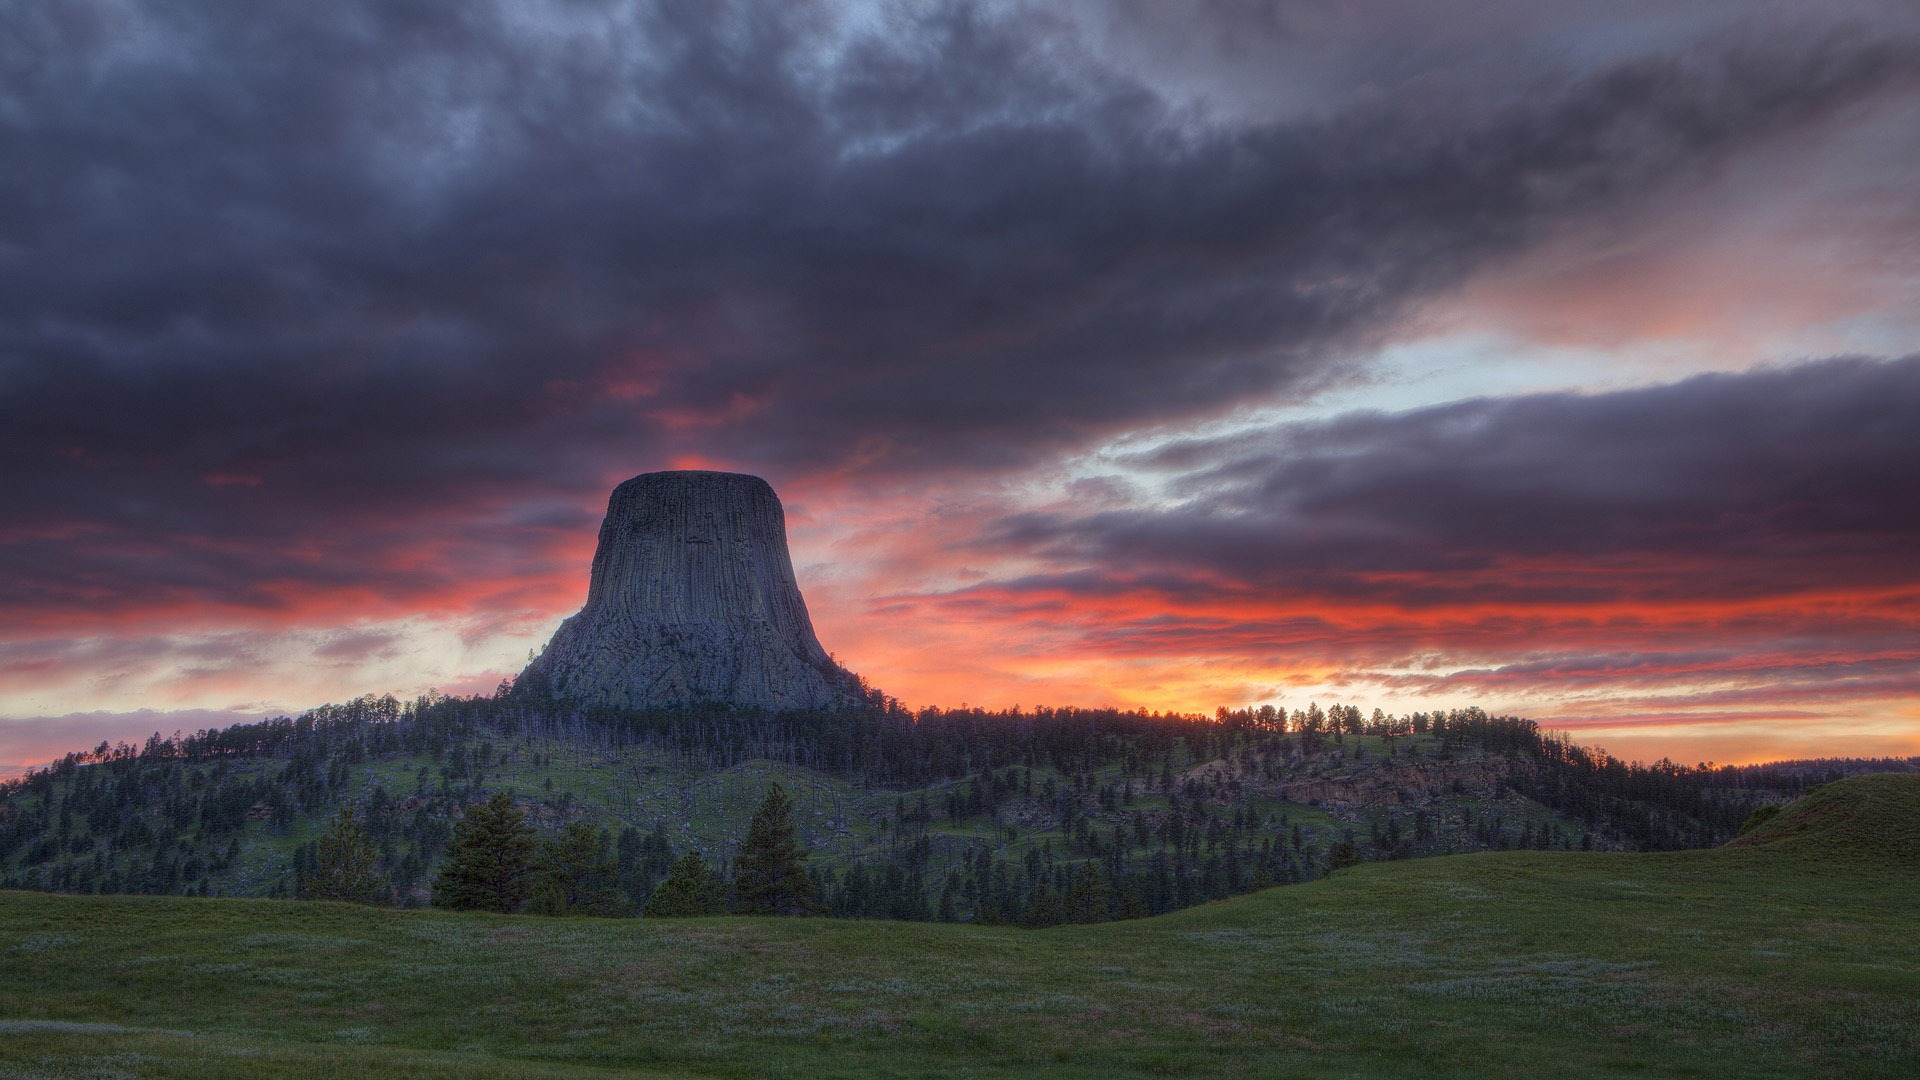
x=281 y=278
x=1725 y=486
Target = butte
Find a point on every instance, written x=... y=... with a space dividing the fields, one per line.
x=692 y=602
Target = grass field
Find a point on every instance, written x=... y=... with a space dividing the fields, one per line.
x=1797 y=955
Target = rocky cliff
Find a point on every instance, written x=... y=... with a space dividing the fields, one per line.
x=692 y=601
x=1377 y=782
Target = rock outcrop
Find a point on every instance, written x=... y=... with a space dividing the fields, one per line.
x=1373 y=783
x=692 y=601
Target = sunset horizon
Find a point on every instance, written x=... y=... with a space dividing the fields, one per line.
x=1314 y=359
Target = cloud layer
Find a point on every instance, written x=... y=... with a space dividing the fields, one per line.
x=320 y=319
x=277 y=276
x=1719 y=488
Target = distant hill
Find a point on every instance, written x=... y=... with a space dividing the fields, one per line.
x=943 y=814
x=1818 y=769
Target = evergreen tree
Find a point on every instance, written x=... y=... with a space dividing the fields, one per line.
x=490 y=862
x=770 y=877
x=948 y=910
x=691 y=888
x=1044 y=907
x=576 y=877
x=345 y=866
x=1091 y=898
x=1760 y=816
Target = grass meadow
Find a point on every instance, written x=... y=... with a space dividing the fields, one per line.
x=1782 y=959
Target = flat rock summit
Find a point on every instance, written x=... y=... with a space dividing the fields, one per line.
x=692 y=602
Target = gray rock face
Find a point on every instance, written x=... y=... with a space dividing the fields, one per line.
x=692 y=601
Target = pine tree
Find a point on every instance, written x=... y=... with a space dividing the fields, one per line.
x=345 y=866
x=770 y=877
x=1044 y=907
x=691 y=888
x=576 y=877
x=490 y=862
x=1344 y=854
x=1091 y=898
x=949 y=908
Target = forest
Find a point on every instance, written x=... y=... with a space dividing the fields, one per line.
x=1034 y=817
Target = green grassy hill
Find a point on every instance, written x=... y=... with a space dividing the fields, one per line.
x=1865 y=818
x=1794 y=955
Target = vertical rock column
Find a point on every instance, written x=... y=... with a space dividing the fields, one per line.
x=692 y=601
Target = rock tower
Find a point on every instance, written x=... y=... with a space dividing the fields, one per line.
x=692 y=601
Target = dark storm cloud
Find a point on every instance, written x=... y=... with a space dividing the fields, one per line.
x=1725 y=486
x=293 y=293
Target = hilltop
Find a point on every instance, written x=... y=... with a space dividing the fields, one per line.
x=1859 y=820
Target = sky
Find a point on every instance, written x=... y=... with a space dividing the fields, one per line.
x=1562 y=359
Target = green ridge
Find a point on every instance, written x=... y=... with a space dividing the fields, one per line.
x=1873 y=818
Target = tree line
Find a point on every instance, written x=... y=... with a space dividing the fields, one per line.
x=1128 y=830
x=497 y=861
